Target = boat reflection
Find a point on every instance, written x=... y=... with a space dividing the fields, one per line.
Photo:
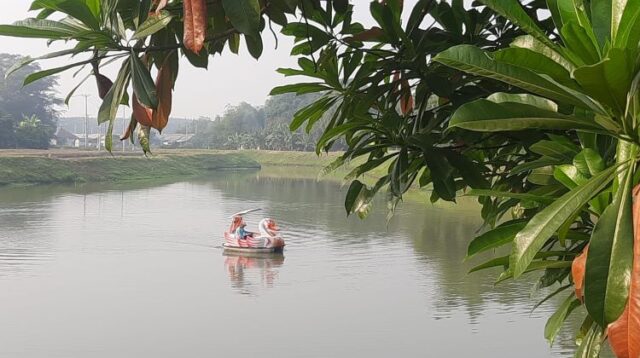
x=249 y=273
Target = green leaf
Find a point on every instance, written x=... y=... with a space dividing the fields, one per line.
x=494 y=238
x=580 y=44
x=478 y=62
x=152 y=24
x=108 y=139
x=254 y=45
x=299 y=88
x=544 y=224
x=441 y=174
x=524 y=98
x=591 y=343
x=52 y=71
x=39 y=28
x=312 y=112
x=555 y=149
x=77 y=9
x=109 y=107
x=530 y=165
x=551 y=295
x=533 y=266
x=556 y=320
x=608 y=80
x=513 y=11
x=530 y=42
x=536 y=62
x=542 y=176
x=200 y=60
x=28 y=60
x=608 y=268
x=504 y=194
x=143 y=85
x=589 y=162
x=569 y=176
x=601 y=20
x=628 y=32
x=470 y=172
x=244 y=15
x=487 y=116
x=351 y=200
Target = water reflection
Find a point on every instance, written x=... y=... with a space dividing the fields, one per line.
x=250 y=272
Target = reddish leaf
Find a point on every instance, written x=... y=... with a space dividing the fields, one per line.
x=195 y=24
x=164 y=89
x=104 y=85
x=160 y=5
x=577 y=272
x=142 y=114
x=406 y=101
x=624 y=334
x=373 y=34
x=127 y=133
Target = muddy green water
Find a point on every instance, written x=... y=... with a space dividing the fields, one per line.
x=136 y=270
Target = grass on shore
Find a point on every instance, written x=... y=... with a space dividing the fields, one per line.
x=44 y=170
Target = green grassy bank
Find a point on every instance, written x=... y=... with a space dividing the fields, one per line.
x=41 y=169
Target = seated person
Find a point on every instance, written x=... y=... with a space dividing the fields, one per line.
x=243 y=234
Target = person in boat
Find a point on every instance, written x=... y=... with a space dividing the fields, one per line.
x=239 y=228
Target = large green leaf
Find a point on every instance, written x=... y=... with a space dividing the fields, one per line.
x=530 y=42
x=487 y=116
x=152 y=24
x=52 y=71
x=494 y=238
x=299 y=88
x=502 y=194
x=627 y=35
x=591 y=343
x=556 y=320
x=244 y=15
x=569 y=176
x=513 y=11
x=601 y=20
x=555 y=149
x=77 y=9
x=577 y=39
x=478 y=62
x=608 y=268
x=27 y=60
x=589 y=162
x=143 y=85
x=39 y=28
x=536 y=62
x=524 y=98
x=608 y=80
x=109 y=107
x=544 y=224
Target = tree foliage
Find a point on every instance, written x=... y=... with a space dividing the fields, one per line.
x=19 y=103
x=266 y=127
x=537 y=117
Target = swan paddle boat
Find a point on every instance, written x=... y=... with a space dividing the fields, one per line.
x=266 y=240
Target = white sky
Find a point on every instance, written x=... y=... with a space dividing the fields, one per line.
x=230 y=78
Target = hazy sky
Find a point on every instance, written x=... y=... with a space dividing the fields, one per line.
x=230 y=78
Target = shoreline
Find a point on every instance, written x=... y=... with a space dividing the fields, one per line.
x=19 y=168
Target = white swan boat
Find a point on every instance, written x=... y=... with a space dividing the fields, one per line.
x=267 y=240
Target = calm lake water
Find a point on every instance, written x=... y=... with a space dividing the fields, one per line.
x=136 y=270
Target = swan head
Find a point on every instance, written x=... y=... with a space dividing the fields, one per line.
x=268 y=227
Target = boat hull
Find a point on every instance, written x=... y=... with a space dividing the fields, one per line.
x=252 y=250
x=257 y=244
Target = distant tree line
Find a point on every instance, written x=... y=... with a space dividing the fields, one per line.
x=27 y=113
x=263 y=127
